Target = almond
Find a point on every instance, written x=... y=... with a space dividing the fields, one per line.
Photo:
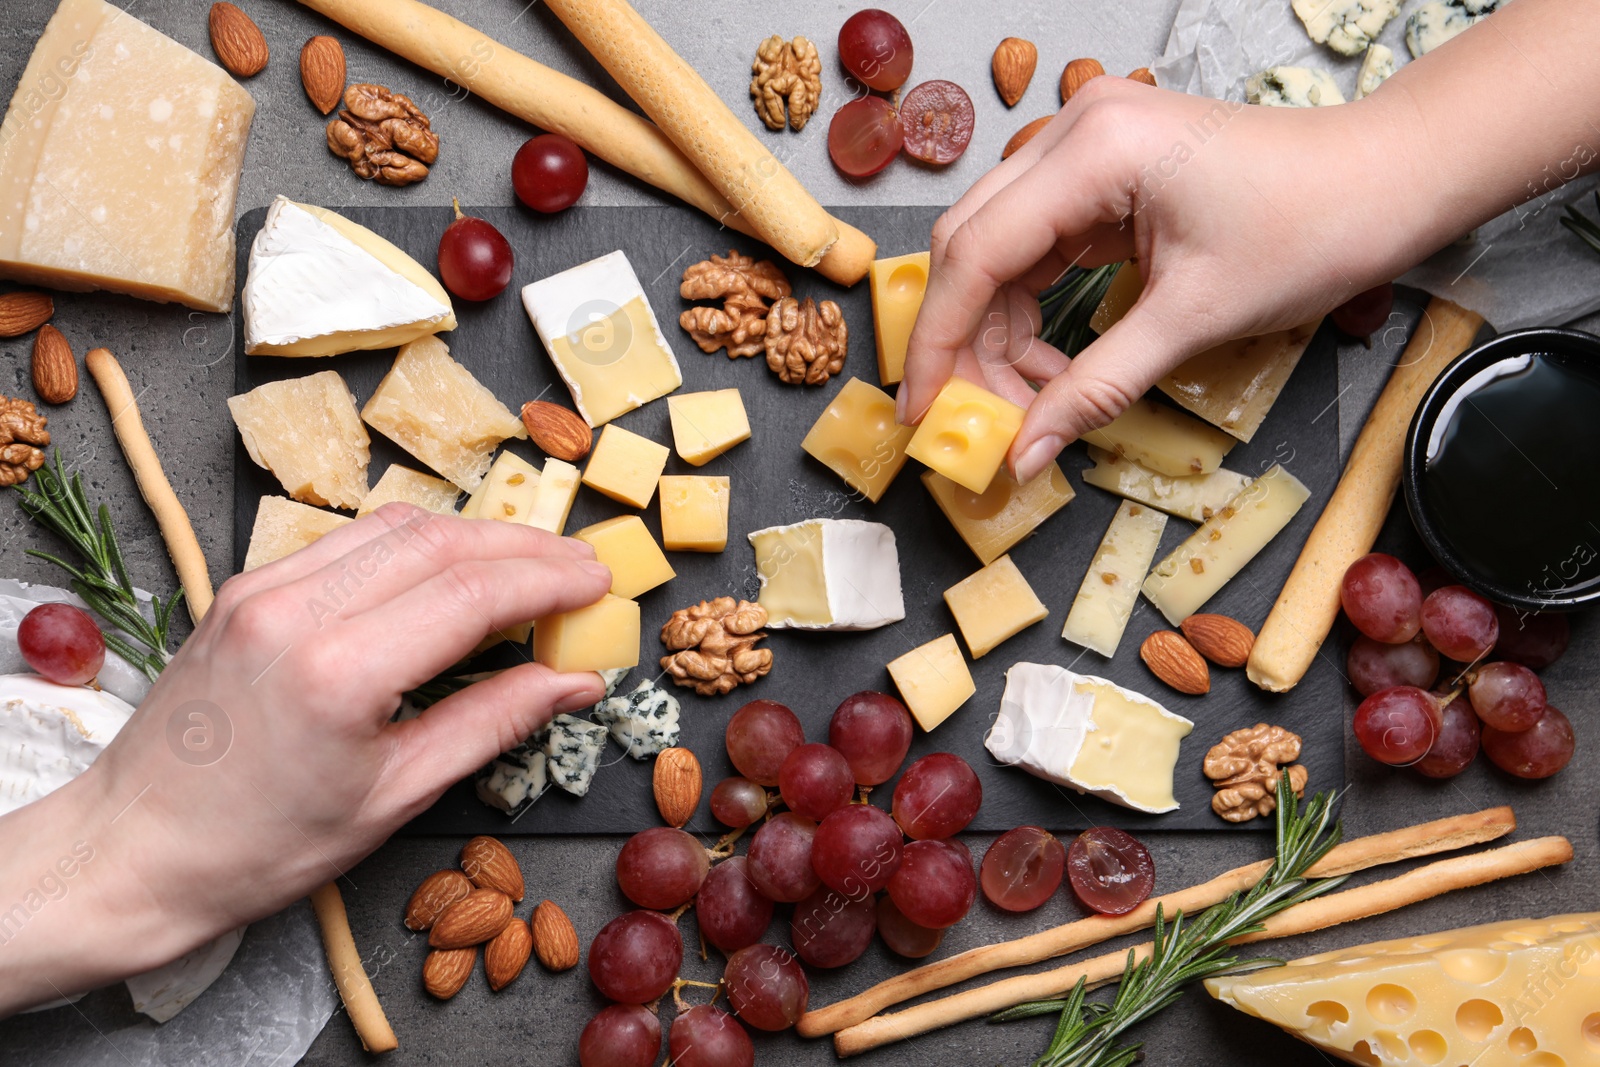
x=472 y=920
x=1013 y=64
x=1174 y=661
x=677 y=782
x=1024 y=135
x=238 y=42
x=559 y=431
x=55 y=371
x=24 y=310
x=1078 y=74
x=437 y=892
x=554 y=940
x=507 y=954
x=491 y=865
x=1224 y=641
x=446 y=970
x=322 y=72
x=1142 y=76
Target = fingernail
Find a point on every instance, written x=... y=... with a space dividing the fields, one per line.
x=595 y=570
x=900 y=405
x=1037 y=456
x=582 y=698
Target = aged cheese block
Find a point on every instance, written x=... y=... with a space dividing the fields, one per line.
x=307 y=433
x=119 y=162
x=993 y=521
x=694 y=512
x=624 y=544
x=400 y=482
x=625 y=466
x=602 y=636
x=285 y=526
x=705 y=425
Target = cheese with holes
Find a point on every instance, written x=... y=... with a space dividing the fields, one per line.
x=599 y=637
x=119 y=162
x=625 y=466
x=506 y=492
x=992 y=605
x=1105 y=601
x=705 y=425
x=933 y=680
x=434 y=408
x=965 y=434
x=829 y=574
x=554 y=496
x=1195 y=497
x=857 y=438
x=1163 y=439
x=994 y=521
x=1181 y=584
x=694 y=512
x=624 y=544
x=596 y=323
x=1524 y=993
x=897 y=285
x=307 y=433
x=400 y=483
x=319 y=284
x=285 y=526
x=1346 y=26
x=1090 y=735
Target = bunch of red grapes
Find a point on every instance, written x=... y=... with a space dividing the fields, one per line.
x=1492 y=700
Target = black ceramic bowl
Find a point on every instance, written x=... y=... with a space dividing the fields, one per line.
x=1520 y=531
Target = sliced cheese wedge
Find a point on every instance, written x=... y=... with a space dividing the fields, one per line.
x=506 y=492
x=1104 y=604
x=1163 y=439
x=829 y=574
x=399 y=482
x=1195 y=497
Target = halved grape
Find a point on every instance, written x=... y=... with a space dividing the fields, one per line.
x=705 y=1036
x=1457 y=745
x=1398 y=725
x=766 y=987
x=875 y=47
x=620 y=1035
x=856 y=850
x=830 y=929
x=635 y=957
x=731 y=911
x=815 y=781
x=760 y=737
x=937 y=796
x=1507 y=696
x=1537 y=752
x=873 y=732
x=738 y=802
x=1110 y=870
x=1459 y=623
x=1374 y=665
x=1533 y=639
x=780 y=858
x=934 y=885
x=661 y=867
x=904 y=937
x=1382 y=598
x=937 y=121
x=865 y=136
x=1022 y=868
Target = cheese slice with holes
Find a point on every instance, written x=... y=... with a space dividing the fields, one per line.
x=829 y=574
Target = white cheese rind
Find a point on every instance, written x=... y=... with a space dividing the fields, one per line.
x=49 y=734
x=859 y=570
x=1346 y=26
x=1104 y=604
x=165 y=991
x=1286 y=86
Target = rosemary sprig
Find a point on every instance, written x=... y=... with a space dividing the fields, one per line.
x=1187 y=951
x=1068 y=305
x=61 y=504
x=1582 y=225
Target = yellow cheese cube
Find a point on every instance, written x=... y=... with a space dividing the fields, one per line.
x=897 y=288
x=601 y=637
x=992 y=605
x=506 y=492
x=857 y=438
x=694 y=513
x=933 y=680
x=285 y=526
x=625 y=466
x=965 y=434
x=705 y=425
x=553 y=498
x=624 y=544
x=402 y=483
x=993 y=521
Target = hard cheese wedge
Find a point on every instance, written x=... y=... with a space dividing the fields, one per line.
x=624 y=544
x=319 y=284
x=857 y=438
x=1195 y=497
x=1163 y=439
x=965 y=434
x=506 y=492
x=603 y=636
x=897 y=287
x=1090 y=735
x=119 y=163
x=933 y=680
x=829 y=574
x=995 y=520
x=1104 y=604
x=307 y=433
x=1524 y=993
x=992 y=605
x=399 y=482
x=625 y=466
x=285 y=526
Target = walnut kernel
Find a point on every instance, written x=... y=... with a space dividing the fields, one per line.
x=786 y=72
x=806 y=341
x=1244 y=766
x=713 y=645
x=744 y=285
x=23 y=438
x=383 y=135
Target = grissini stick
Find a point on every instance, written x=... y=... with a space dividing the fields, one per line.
x=1306 y=608
x=1425 y=839
x=1423 y=883
x=349 y=973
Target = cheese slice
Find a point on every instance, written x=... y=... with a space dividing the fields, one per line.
x=319 y=284
x=554 y=496
x=285 y=526
x=897 y=284
x=1163 y=439
x=401 y=483
x=857 y=438
x=992 y=605
x=994 y=521
x=1524 y=993
x=307 y=433
x=506 y=492
x=1104 y=604
x=829 y=574
x=1195 y=497
x=1210 y=557
x=119 y=162
x=933 y=680
x=1090 y=735
x=49 y=734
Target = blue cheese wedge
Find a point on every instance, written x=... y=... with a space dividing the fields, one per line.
x=1090 y=735
x=572 y=748
x=645 y=722
x=514 y=781
x=1437 y=21
x=829 y=574
x=1292 y=87
x=1376 y=67
x=1346 y=26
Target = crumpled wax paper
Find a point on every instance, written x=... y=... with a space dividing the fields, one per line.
x=1518 y=270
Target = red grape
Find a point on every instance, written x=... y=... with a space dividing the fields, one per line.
x=731 y=911
x=937 y=121
x=1365 y=313
x=873 y=732
x=856 y=850
x=1459 y=623
x=661 y=867
x=621 y=1035
x=474 y=258
x=62 y=643
x=1398 y=725
x=1373 y=665
x=1457 y=745
x=1022 y=868
x=1537 y=752
x=876 y=49
x=738 y=802
x=904 y=937
x=865 y=136
x=830 y=929
x=705 y=1036
x=766 y=986
x=1533 y=639
x=549 y=173
x=937 y=796
x=934 y=885
x=1110 y=871
x=780 y=858
x=760 y=737
x=1382 y=598
x=1507 y=696
x=635 y=957
x=815 y=781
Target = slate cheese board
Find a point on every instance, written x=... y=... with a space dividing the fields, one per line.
x=774 y=482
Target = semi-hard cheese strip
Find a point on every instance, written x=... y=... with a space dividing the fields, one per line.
x=1195 y=497
x=1524 y=993
x=553 y=499
x=506 y=492
x=1105 y=601
x=1224 y=543
x=829 y=574
x=898 y=285
x=1163 y=439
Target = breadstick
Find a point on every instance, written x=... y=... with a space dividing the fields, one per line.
x=1443 y=835
x=1363 y=902
x=553 y=101
x=349 y=973
x=1306 y=608
x=176 y=530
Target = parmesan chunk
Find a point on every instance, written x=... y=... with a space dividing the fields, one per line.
x=307 y=433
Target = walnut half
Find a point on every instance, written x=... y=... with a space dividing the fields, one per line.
x=744 y=285
x=786 y=72
x=23 y=438
x=806 y=341
x=713 y=645
x=1244 y=766
x=383 y=135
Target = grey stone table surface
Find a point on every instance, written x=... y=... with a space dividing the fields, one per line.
x=181 y=366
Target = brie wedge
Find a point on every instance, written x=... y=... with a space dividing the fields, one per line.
x=829 y=574
x=49 y=734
